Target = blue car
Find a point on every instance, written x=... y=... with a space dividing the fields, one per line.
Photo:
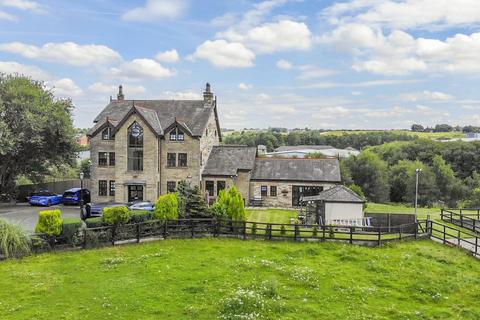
x=44 y=198
x=72 y=196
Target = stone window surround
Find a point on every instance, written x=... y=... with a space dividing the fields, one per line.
x=176 y=159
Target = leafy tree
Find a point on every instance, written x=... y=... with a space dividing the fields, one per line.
x=36 y=131
x=443 y=128
x=371 y=174
x=428 y=191
x=85 y=167
x=190 y=201
x=166 y=207
x=473 y=200
x=230 y=203
x=357 y=189
x=451 y=188
x=417 y=128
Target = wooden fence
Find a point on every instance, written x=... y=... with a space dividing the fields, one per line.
x=454 y=237
x=465 y=218
x=198 y=228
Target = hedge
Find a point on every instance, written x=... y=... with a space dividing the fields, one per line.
x=70 y=227
x=116 y=215
x=94 y=222
x=49 y=222
x=141 y=216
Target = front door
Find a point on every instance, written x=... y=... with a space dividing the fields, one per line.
x=135 y=193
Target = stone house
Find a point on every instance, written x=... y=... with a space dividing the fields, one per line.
x=141 y=149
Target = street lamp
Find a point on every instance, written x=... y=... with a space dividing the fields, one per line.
x=81 y=194
x=417 y=172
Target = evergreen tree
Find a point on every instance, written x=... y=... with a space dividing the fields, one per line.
x=191 y=203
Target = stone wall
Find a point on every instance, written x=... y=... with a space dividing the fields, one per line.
x=284 y=191
x=210 y=138
x=242 y=182
x=100 y=173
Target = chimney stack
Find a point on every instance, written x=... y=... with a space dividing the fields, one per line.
x=120 y=95
x=208 y=96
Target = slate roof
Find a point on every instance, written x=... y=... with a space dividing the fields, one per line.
x=309 y=170
x=336 y=194
x=159 y=114
x=226 y=160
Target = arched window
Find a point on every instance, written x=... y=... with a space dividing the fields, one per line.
x=135 y=147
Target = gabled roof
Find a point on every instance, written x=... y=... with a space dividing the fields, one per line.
x=336 y=194
x=309 y=170
x=227 y=160
x=160 y=114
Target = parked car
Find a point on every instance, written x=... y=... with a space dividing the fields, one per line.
x=143 y=205
x=72 y=196
x=44 y=198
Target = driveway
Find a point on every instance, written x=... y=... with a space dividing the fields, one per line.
x=27 y=216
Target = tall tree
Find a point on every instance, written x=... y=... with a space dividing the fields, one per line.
x=36 y=131
x=371 y=174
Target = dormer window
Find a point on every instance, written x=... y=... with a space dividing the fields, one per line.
x=177 y=135
x=107 y=134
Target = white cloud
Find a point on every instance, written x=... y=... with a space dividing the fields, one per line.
x=272 y=37
x=64 y=52
x=142 y=69
x=169 y=56
x=406 y=14
x=362 y=84
x=426 y=96
x=225 y=54
x=23 y=5
x=181 y=95
x=308 y=72
x=11 y=67
x=398 y=53
x=100 y=87
x=65 y=87
x=6 y=16
x=284 y=64
x=244 y=86
x=154 y=10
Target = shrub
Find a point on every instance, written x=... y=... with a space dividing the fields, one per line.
x=116 y=215
x=13 y=240
x=137 y=216
x=219 y=210
x=167 y=207
x=70 y=227
x=94 y=222
x=232 y=202
x=49 y=222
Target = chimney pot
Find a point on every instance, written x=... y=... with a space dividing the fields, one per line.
x=120 y=95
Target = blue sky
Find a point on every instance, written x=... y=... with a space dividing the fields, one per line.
x=290 y=63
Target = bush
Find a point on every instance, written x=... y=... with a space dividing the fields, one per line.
x=167 y=207
x=137 y=216
x=94 y=222
x=70 y=228
x=232 y=202
x=49 y=222
x=219 y=210
x=13 y=240
x=116 y=215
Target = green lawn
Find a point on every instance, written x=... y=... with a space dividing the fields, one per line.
x=373 y=207
x=220 y=278
x=271 y=215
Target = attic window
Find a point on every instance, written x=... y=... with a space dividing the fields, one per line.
x=107 y=134
x=177 y=135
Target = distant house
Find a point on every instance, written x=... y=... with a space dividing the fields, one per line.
x=337 y=206
x=82 y=140
x=302 y=151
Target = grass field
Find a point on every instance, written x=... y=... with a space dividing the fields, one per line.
x=235 y=279
x=430 y=135
x=271 y=215
x=373 y=207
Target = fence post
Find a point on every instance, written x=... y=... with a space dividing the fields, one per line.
x=323 y=231
x=138 y=232
x=192 y=227
x=444 y=232
x=351 y=234
x=441 y=214
x=84 y=239
x=165 y=229
x=459 y=238
x=415 y=232
x=461 y=219
x=400 y=232
x=476 y=246
x=478 y=214
x=113 y=234
x=296 y=232
x=216 y=227
x=244 y=230
x=269 y=228
x=379 y=236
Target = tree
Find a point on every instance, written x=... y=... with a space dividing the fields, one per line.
x=417 y=128
x=85 y=167
x=166 y=207
x=36 y=131
x=190 y=201
x=450 y=187
x=230 y=203
x=371 y=174
x=443 y=128
x=357 y=189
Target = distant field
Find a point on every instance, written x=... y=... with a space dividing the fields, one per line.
x=401 y=208
x=236 y=279
x=431 y=135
